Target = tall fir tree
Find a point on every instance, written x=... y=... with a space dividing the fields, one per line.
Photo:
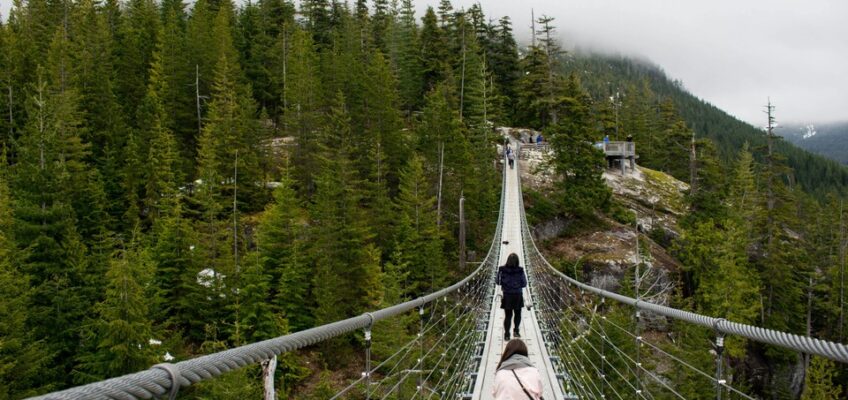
x=581 y=189
x=91 y=45
x=162 y=160
x=405 y=54
x=382 y=22
x=64 y=284
x=347 y=278
x=726 y=286
x=303 y=106
x=818 y=382
x=22 y=356
x=418 y=245
x=316 y=15
x=123 y=331
x=532 y=109
x=139 y=31
x=183 y=89
x=434 y=51
x=504 y=63
x=231 y=138
x=282 y=243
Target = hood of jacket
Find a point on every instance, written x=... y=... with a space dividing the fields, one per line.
x=516 y=361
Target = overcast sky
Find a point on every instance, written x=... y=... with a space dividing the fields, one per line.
x=733 y=53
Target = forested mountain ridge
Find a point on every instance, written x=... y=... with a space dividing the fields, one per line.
x=829 y=140
x=604 y=75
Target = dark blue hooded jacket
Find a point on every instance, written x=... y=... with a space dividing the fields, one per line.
x=512 y=280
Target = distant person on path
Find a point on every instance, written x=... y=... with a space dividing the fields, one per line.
x=540 y=139
x=629 y=138
x=606 y=140
x=511 y=158
x=516 y=377
x=512 y=280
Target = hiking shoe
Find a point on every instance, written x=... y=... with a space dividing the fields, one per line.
x=516 y=334
x=506 y=336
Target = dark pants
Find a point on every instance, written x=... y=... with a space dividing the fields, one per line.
x=512 y=314
x=511 y=163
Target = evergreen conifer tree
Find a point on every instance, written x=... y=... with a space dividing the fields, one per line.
x=405 y=54
x=381 y=25
x=162 y=159
x=174 y=253
x=123 y=329
x=819 y=382
x=231 y=136
x=302 y=106
x=579 y=164
x=418 y=245
x=346 y=280
x=139 y=31
x=52 y=254
x=434 y=50
x=505 y=64
x=22 y=356
x=281 y=239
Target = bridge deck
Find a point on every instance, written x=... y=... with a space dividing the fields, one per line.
x=530 y=332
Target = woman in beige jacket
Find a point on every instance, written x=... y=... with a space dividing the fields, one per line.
x=517 y=378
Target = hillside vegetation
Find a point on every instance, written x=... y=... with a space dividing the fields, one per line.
x=642 y=82
x=179 y=179
x=828 y=140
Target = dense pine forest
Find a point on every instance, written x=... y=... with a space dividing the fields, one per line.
x=178 y=179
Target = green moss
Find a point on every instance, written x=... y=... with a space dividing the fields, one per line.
x=622 y=214
x=666 y=188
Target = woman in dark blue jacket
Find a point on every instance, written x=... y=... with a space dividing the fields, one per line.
x=512 y=280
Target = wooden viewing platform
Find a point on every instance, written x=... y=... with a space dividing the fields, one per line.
x=618 y=152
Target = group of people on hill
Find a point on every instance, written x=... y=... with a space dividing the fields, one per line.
x=516 y=377
x=510 y=155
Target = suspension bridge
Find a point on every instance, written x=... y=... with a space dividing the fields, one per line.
x=579 y=351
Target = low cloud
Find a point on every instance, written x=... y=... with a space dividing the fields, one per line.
x=733 y=54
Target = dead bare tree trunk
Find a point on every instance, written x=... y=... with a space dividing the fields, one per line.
x=441 y=173
x=197 y=97
x=462 y=78
x=461 y=234
x=268 y=369
x=693 y=167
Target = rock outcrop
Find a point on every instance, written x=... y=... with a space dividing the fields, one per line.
x=606 y=254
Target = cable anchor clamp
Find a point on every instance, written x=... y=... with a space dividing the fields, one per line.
x=176 y=376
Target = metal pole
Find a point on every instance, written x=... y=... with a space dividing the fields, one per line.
x=441 y=171
x=603 y=355
x=637 y=316
x=719 y=365
x=638 y=357
x=420 y=366
x=367 y=363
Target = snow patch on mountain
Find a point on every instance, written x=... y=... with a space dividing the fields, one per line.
x=809 y=131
